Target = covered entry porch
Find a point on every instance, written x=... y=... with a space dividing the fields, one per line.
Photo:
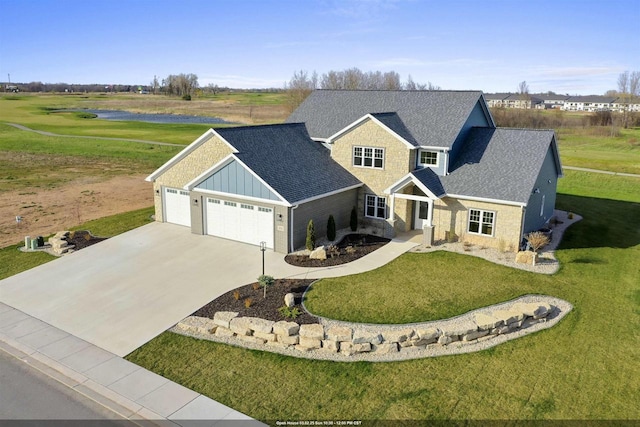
x=420 y=199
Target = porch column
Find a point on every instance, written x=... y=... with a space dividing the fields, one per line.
x=392 y=207
x=430 y=213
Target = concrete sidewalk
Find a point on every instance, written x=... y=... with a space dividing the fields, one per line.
x=121 y=386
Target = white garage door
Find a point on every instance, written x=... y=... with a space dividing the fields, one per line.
x=239 y=221
x=176 y=207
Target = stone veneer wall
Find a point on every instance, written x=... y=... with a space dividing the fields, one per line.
x=453 y=215
x=349 y=341
x=202 y=158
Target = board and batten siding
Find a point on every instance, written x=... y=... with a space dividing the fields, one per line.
x=187 y=169
x=236 y=179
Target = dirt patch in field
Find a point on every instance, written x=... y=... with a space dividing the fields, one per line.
x=82 y=198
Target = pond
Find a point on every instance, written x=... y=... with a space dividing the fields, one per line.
x=118 y=115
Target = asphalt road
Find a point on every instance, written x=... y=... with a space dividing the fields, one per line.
x=28 y=394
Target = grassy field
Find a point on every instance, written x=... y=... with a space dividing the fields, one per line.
x=30 y=160
x=584 y=368
x=595 y=148
x=40 y=112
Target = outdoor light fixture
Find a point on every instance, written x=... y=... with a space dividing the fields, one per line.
x=536 y=191
x=158 y=192
x=263 y=248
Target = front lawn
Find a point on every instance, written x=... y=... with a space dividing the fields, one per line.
x=584 y=368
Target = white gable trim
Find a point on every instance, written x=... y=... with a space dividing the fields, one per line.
x=406 y=180
x=378 y=122
x=186 y=151
x=487 y=111
x=331 y=193
x=484 y=199
x=224 y=162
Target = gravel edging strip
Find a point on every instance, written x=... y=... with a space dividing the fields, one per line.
x=561 y=309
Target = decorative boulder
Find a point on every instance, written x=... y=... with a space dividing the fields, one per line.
x=289 y=300
x=318 y=253
x=525 y=257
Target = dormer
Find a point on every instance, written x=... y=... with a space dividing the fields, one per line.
x=436 y=158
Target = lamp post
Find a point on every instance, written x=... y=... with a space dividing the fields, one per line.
x=263 y=248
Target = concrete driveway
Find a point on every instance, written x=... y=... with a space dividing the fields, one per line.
x=124 y=291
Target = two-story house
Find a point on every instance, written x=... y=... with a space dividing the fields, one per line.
x=427 y=160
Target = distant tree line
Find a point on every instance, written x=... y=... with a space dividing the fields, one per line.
x=302 y=83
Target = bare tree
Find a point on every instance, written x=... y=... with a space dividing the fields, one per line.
x=629 y=91
x=523 y=88
x=299 y=87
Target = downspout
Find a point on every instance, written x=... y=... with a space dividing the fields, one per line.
x=291 y=229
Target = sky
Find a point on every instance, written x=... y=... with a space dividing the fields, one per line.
x=576 y=47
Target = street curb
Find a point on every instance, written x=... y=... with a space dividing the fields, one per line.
x=109 y=399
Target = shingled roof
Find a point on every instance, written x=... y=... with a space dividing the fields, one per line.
x=287 y=159
x=498 y=164
x=431 y=118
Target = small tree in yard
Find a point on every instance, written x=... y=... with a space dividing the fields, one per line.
x=311 y=236
x=354 y=219
x=265 y=281
x=537 y=240
x=331 y=229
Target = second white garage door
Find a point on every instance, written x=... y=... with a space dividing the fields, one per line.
x=239 y=221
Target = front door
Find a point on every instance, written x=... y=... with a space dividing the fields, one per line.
x=422 y=214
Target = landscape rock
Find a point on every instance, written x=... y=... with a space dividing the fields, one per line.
x=266 y=337
x=331 y=346
x=339 y=333
x=386 y=348
x=222 y=318
x=289 y=300
x=239 y=326
x=445 y=339
x=428 y=334
x=486 y=321
x=288 y=340
x=361 y=337
x=259 y=325
x=507 y=316
x=525 y=257
x=221 y=331
x=398 y=336
x=475 y=335
x=318 y=253
x=310 y=342
x=286 y=328
x=314 y=330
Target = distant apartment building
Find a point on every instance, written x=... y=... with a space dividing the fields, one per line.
x=541 y=101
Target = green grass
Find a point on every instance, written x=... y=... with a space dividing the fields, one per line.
x=584 y=368
x=12 y=261
x=39 y=112
x=583 y=147
x=30 y=160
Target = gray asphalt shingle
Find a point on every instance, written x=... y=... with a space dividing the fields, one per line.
x=287 y=159
x=501 y=164
x=432 y=118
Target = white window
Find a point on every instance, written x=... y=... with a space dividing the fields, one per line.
x=249 y=207
x=542 y=206
x=214 y=201
x=375 y=207
x=233 y=204
x=481 y=222
x=261 y=209
x=368 y=157
x=429 y=158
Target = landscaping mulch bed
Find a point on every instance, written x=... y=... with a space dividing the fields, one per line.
x=264 y=308
x=361 y=244
x=82 y=239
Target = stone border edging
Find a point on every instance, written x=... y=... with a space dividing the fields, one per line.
x=349 y=342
